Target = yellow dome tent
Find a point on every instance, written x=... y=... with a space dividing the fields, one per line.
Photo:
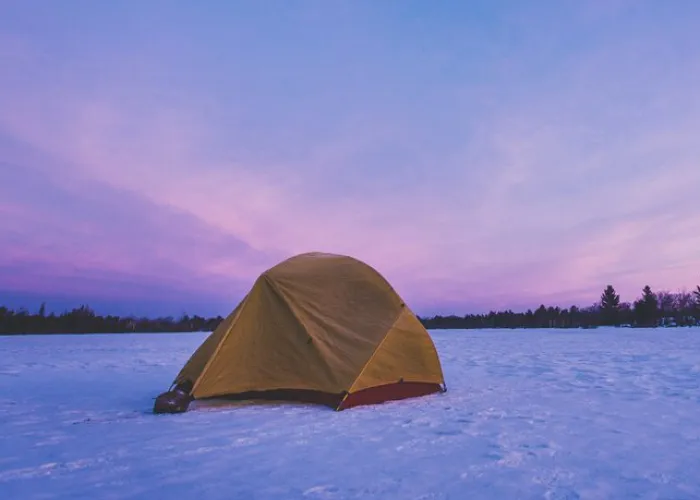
x=319 y=328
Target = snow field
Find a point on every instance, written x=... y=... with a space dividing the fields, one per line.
x=552 y=414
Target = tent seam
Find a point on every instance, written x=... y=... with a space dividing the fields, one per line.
x=404 y=306
x=285 y=300
x=376 y=350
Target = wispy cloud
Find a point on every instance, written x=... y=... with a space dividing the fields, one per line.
x=69 y=236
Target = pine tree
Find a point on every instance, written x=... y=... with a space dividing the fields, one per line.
x=646 y=309
x=610 y=306
x=575 y=316
x=541 y=317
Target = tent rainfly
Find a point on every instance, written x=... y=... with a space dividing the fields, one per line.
x=319 y=328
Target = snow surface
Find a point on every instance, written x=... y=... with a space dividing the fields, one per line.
x=607 y=413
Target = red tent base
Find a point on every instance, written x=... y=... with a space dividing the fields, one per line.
x=389 y=392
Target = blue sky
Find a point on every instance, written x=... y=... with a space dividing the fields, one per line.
x=156 y=156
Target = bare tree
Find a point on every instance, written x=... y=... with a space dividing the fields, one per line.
x=666 y=300
x=683 y=301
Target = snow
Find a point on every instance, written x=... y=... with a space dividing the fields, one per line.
x=553 y=414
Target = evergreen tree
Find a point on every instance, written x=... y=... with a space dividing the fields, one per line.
x=541 y=317
x=529 y=319
x=646 y=309
x=575 y=316
x=610 y=306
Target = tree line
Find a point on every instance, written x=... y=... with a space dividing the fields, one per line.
x=649 y=310
x=84 y=320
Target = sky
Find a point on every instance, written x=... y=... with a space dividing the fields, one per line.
x=156 y=157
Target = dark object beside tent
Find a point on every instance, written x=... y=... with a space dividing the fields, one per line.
x=176 y=400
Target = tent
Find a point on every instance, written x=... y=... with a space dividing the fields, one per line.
x=316 y=327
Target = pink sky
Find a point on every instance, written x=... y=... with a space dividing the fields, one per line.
x=499 y=157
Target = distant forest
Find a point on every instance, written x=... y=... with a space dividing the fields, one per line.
x=651 y=309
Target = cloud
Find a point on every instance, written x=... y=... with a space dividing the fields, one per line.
x=273 y=208
x=68 y=235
